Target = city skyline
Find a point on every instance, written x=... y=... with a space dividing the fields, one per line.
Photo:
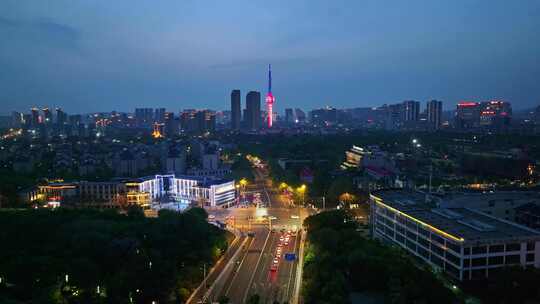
x=357 y=55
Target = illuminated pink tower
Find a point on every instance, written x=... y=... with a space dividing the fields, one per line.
x=270 y=98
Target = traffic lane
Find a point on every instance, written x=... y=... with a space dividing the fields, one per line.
x=262 y=277
x=232 y=276
x=216 y=270
x=272 y=285
x=285 y=271
x=240 y=284
x=293 y=268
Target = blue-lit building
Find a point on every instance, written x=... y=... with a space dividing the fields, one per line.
x=186 y=189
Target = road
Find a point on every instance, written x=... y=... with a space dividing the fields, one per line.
x=203 y=292
x=250 y=272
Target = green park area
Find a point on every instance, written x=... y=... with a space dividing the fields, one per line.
x=88 y=256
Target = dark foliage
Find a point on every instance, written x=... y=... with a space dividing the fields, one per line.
x=339 y=260
x=127 y=256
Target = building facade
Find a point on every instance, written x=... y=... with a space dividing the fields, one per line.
x=434 y=114
x=411 y=110
x=236 y=110
x=147 y=192
x=253 y=110
x=464 y=243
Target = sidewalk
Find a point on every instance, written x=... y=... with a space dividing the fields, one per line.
x=207 y=284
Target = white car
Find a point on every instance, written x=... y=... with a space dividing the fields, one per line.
x=295 y=217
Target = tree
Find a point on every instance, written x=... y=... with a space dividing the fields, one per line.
x=254 y=299
x=338 y=187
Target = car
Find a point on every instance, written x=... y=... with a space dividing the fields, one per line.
x=275 y=261
x=295 y=217
x=281 y=238
x=273 y=267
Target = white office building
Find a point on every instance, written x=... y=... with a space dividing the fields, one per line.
x=465 y=243
x=188 y=189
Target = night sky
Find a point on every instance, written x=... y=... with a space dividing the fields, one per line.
x=90 y=56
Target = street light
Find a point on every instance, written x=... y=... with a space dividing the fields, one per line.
x=243 y=182
x=302 y=189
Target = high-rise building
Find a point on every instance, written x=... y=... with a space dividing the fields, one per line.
x=75 y=120
x=188 y=123
x=434 y=113
x=144 y=117
x=47 y=116
x=495 y=114
x=270 y=100
x=394 y=116
x=197 y=121
x=35 y=117
x=411 y=110
x=206 y=120
x=253 y=110
x=300 y=115
x=289 y=116
x=172 y=125
x=61 y=117
x=467 y=115
x=159 y=115
x=324 y=116
x=236 y=115
x=17 y=119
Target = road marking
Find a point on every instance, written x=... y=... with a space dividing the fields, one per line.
x=239 y=266
x=236 y=239
x=292 y=267
x=256 y=267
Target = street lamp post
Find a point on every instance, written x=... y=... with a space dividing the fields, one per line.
x=302 y=189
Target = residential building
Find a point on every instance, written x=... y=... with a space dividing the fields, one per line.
x=144 y=117
x=434 y=114
x=467 y=115
x=289 y=116
x=236 y=110
x=411 y=110
x=253 y=110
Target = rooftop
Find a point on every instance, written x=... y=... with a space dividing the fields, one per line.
x=468 y=224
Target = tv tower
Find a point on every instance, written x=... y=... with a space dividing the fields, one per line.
x=270 y=98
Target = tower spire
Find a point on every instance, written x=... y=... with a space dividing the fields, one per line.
x=270 y=98
x=269 y=78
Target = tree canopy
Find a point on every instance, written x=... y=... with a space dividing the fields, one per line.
x=89 y=256
x=339 y=260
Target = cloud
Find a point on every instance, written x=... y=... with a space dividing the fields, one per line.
x=40 y=32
